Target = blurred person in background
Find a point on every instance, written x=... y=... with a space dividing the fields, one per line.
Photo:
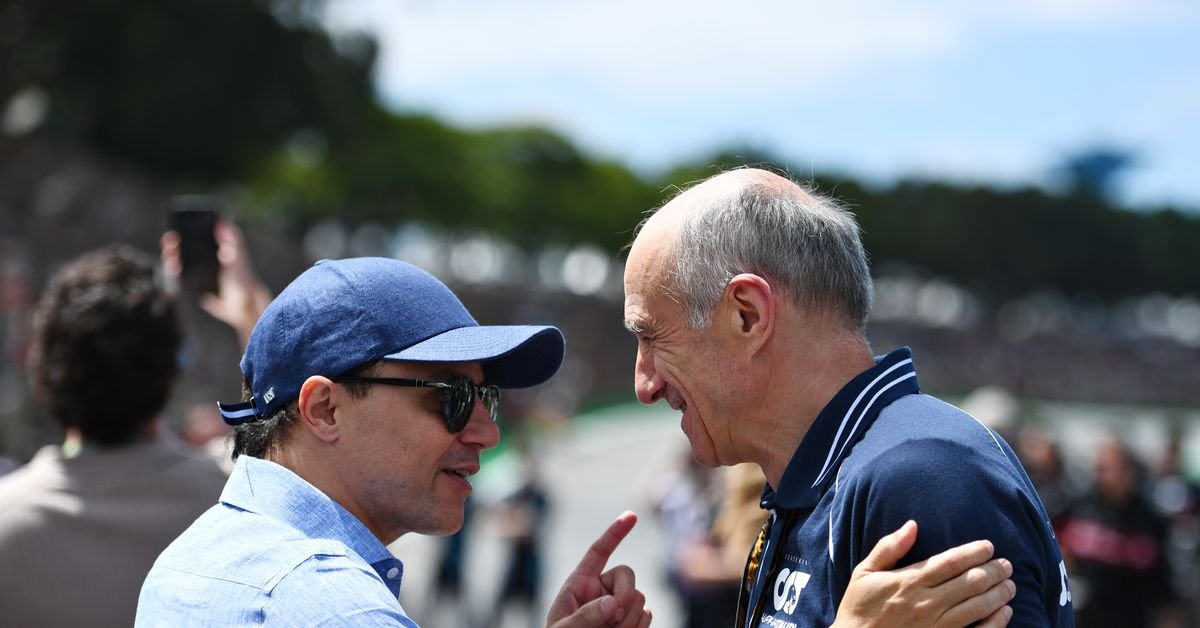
x=685 y=500
x=1040 y=454
x=1177 y=498
x=82 y=523
x=240 y=297
x=748 y=297
x=523 y=521
x=370 y=393
x=1115 y=545
x=709 y=569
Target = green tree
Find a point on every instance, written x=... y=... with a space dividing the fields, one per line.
x=195 y=89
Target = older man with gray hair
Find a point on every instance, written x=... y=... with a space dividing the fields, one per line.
x=749 y=297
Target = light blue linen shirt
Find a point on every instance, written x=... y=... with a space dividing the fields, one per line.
x=274 y=551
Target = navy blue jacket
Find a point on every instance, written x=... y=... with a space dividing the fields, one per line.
x=879 y=454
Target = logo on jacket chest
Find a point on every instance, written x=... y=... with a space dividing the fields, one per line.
x=788 y=585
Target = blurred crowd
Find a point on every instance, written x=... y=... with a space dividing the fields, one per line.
x=1127 y=526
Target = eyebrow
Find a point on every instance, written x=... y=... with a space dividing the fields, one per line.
x=633 y=327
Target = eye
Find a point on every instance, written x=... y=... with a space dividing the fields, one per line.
x=434 y=400
x=642 y=334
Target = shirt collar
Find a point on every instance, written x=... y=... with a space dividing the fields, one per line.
x=264 y=487
x=839 y=426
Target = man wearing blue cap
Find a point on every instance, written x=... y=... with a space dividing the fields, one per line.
x=370 y=392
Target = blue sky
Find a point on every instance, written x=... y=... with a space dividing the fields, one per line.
x=989 y=92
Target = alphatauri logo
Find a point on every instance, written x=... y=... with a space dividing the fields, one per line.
x=788 y=586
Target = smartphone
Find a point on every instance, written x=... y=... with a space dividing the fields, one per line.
x=194 y=217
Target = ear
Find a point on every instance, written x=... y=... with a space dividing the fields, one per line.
x=749 y=310
x=318 y=399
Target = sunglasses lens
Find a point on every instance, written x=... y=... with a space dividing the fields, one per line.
x=459 y=402
x=456 y=405
x=491 y=400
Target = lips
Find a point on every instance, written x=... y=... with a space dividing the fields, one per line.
x=463 y=471
x=460 y=467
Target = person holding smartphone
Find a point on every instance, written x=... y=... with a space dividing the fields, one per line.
x=82 y=522
x=205 y=254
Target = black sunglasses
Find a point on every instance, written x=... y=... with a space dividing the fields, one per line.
x=458 y=396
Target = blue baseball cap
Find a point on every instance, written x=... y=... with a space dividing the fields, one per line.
x=340 y=314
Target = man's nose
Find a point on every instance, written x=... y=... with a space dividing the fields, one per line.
x=646 y=384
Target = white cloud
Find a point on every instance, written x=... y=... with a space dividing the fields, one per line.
x=697 y=45
x=690 y=46
x=1082 y=13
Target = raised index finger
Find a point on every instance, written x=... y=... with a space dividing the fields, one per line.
x=597 y=556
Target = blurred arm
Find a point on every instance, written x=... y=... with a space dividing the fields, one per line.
x=243 y=297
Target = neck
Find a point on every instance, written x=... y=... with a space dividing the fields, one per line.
x=312 y=465
x=808 y=369
x=75 y=442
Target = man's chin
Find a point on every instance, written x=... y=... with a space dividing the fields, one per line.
x=451 y=527
x=444 y=527
x=703 y=457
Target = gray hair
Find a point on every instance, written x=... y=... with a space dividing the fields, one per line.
x=807 y=245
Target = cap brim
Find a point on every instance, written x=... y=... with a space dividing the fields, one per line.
x=513 y=356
